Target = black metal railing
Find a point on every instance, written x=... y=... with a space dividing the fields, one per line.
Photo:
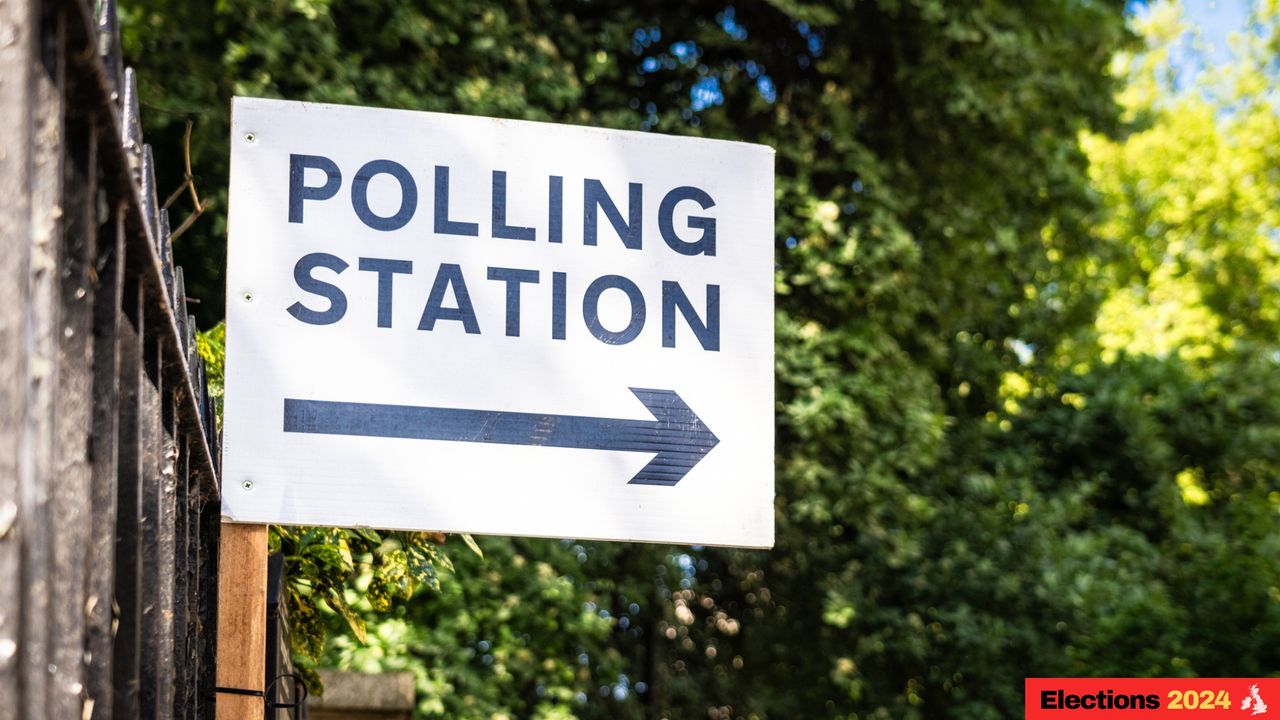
x=285 y=692
x=109 y=453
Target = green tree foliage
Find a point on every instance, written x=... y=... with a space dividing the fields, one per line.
x=517 y=634
x=1027 y=372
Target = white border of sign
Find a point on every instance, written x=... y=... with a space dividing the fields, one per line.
x=402 y=412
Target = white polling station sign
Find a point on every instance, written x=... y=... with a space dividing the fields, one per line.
x=440 y=322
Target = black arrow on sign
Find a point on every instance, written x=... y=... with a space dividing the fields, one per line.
x=676 y=434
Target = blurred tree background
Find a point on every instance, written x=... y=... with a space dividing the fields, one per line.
x=1028 y=371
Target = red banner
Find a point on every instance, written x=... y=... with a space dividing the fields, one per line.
x=1152 y=698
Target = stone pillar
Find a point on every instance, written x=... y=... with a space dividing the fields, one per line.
x=357 y=696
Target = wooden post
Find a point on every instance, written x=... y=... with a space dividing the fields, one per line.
x=242 y=621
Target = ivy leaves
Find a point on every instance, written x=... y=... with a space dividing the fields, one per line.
x=349 y=572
